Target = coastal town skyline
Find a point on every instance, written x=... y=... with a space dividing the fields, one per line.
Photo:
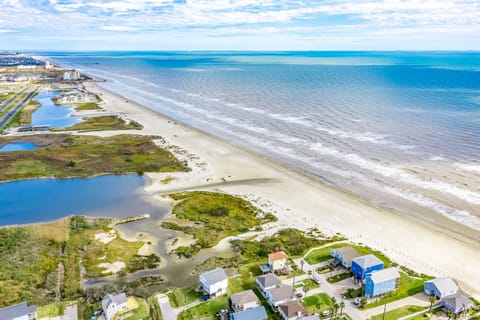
x=239 y=25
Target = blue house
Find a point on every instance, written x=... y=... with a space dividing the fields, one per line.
x=257 y=313
x=364 y=265
x=457 y=303
x=381 y=282
x=440 y=287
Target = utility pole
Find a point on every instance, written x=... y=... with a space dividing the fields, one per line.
x=384 y=311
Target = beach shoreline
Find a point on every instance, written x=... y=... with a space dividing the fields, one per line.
x=299 y=200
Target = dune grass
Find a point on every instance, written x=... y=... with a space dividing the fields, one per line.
x=64 y=156
x=103 y=123
x=215 y=216
x=86 y=106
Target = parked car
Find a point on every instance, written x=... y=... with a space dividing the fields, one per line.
x=357 y=301
x=205 y=297
x=326 y=313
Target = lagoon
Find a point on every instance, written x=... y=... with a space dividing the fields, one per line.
x=39 y=200
x=17 y=146
x=51 y=114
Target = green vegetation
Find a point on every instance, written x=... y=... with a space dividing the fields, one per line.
x=86 y=106
x=292 y=241
x=214 y=216
x=318 y=303
x=398 y=313
x=309 y=284
x=141 y=312
x=205 y=310
x=51 y=310
x=138 y=262
x=340 y=277
x=322 y=254
x=408 y=285
x=182 y=296
x=103 y=123
x=92 y=156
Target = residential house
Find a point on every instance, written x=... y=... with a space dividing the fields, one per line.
x=214 y=282
x=244 y=300
x=344 y=256
x=280 y=294
x=66 y=85
x=266 y=282
x=440 y=287
x=361 y=266
x=20 y=311
x=457 y=302
x=114 y=304
x=381 y=281
x=257 y=313
x=278 y=261
x=292 y=310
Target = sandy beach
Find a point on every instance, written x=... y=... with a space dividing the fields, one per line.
x=301 y=201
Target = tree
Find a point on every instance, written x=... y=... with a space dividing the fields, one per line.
x=363 y=302
x=342 y=305
x=432 y=301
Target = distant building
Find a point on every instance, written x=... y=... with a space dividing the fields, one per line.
x=19 y=311
x=34 y=128
x=381 y=282
x=292 y=310
x=49 y=65
x=457 y=302
x=257 y=313
x=244 y=300
x=75 y=97
x=440 y=287
x=278 y=261
x=214 y=282
x=114 y=304
x=278 y=295
x=361 y=266
x=266 y=282
x=344 y=256
x=66 y=85
x=70 y=75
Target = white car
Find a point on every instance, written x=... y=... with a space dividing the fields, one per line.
x=326 y=313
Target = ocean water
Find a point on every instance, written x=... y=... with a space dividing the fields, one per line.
x=400 y=129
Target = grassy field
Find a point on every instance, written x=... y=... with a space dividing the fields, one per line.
x=322 y=255
x=205 y=310
x=398 y=313
x=64 y=156
x=51 y=310
x=317 y=303
x=180 y=297
x=214 y=216
x=339 y=277
x=86 y=106
x=141 y=312
x=103 y=123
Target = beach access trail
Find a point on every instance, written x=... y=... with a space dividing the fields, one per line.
x=300 y=201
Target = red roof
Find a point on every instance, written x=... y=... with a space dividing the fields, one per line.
x=280 y=255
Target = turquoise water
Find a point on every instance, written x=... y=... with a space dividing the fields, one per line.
x=17 y=146
x=400 y=129
x=51 y=114
x=49 y=199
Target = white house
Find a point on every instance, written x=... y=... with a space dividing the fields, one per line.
x=19 y=311
x=244 y=300
x=214 y=282
x=114 y=304
x=278 y=295
x=266 y=282
x=71 y=75
x=277 y=261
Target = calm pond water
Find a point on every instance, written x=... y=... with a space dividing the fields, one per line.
x=40 y=200
x=51 y=114
x=17 y=146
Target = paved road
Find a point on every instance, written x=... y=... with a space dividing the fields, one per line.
x=6 y=103
x=168 y=313
x=17 y=107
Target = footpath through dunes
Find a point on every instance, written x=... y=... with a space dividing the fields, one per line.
x=304 y=202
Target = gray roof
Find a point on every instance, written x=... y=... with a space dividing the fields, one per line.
x=257 y=313
x=215 y=275
x=348 y=253
x=384 y=275
x=367 y=261
x=116 y=299
x=244 y=297
x=282 y=292
x=268 y=280
x=445 y=285
x=16 y=311
x=458 y=300
x=292 y=309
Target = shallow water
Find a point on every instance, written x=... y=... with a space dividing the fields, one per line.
x=51 y=114
x=17 y=146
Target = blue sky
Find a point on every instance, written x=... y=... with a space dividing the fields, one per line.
x=239 y=25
